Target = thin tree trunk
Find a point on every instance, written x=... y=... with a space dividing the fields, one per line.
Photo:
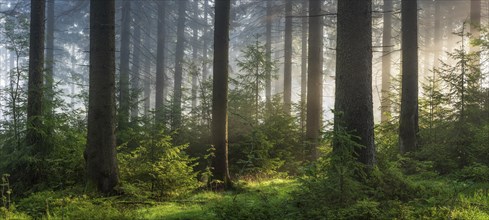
x=34 y=137
x=315 y=78
x=100 y=154
x=124 y=99
x=475 y=21
x=179 y=54
x=220 y=93
x=305 y=8
x=288 y=57
x=205 y=37
x=73 y=71
x=194 y=56
x=408 y=127
x=438 y=36
x=353 y=105
x=268 y=53
x=160 y=64
x=147 y=68
x=386 y=61
x=136 y=68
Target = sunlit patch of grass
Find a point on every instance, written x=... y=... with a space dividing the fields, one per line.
x=204 y=205
x=280 y=186
x=176 y=211
x=475 y=206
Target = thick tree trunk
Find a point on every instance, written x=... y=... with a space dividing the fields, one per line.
x=124 y=99
x=386 y=61
x=288 y=57
x=34 y=137
x=49 y=56
x=100 y=154
x=353 y=95
x=314 y=79
x=160 y=64
x=135 y=79
x=408 y=127
x=220 y=93
x=268 y=53
x=179 y=54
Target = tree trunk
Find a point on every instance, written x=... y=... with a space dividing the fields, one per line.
x=205 y=37
x=124 y=66
x=220 y=93
x=408 y=127
x=49 y=56
x=179 y=53
x=288 y=57
x=136 y=68
x=438 y=36
x=353 y=105
x=194 y=55
x=268 y=53
x=160 y=64
x=100 y=154
x=315 y=78
x=386 y=61
x=147 y=68
x=34 y=137
x=305 y=8
x=475 y=21
x=425 y=37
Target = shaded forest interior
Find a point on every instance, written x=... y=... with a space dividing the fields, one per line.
x=244 y=109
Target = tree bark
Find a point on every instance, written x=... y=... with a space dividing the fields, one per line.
x=34 y=137
x=49 y=56
x=305 y=8
x=100 y=154
x=160 y=64
x=475 y=25
x=124 y=99
x=220 y=92
x=268 y=53
x=205 y=36
x=438 y=36
x=386 y=61
x=408 y=127
x=136 y=68
x=179 y=53
x=353 y=97
x=194 y=56
x=315 y=78
x=147 y=68
x=288 y=57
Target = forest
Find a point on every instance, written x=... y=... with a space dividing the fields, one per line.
x=244 y=109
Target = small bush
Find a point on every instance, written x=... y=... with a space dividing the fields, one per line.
x=476 y=172
x=158 y=169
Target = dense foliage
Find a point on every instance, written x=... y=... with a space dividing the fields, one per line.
x=166 y=174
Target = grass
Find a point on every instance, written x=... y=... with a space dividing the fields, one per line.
x=269 y=199
x=201 y=206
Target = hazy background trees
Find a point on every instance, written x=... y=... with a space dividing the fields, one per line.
x=217 y=90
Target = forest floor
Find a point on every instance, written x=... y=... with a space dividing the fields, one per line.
x=268 y=199
x=72 y=204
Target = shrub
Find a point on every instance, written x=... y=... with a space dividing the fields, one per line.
x=157 y=168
